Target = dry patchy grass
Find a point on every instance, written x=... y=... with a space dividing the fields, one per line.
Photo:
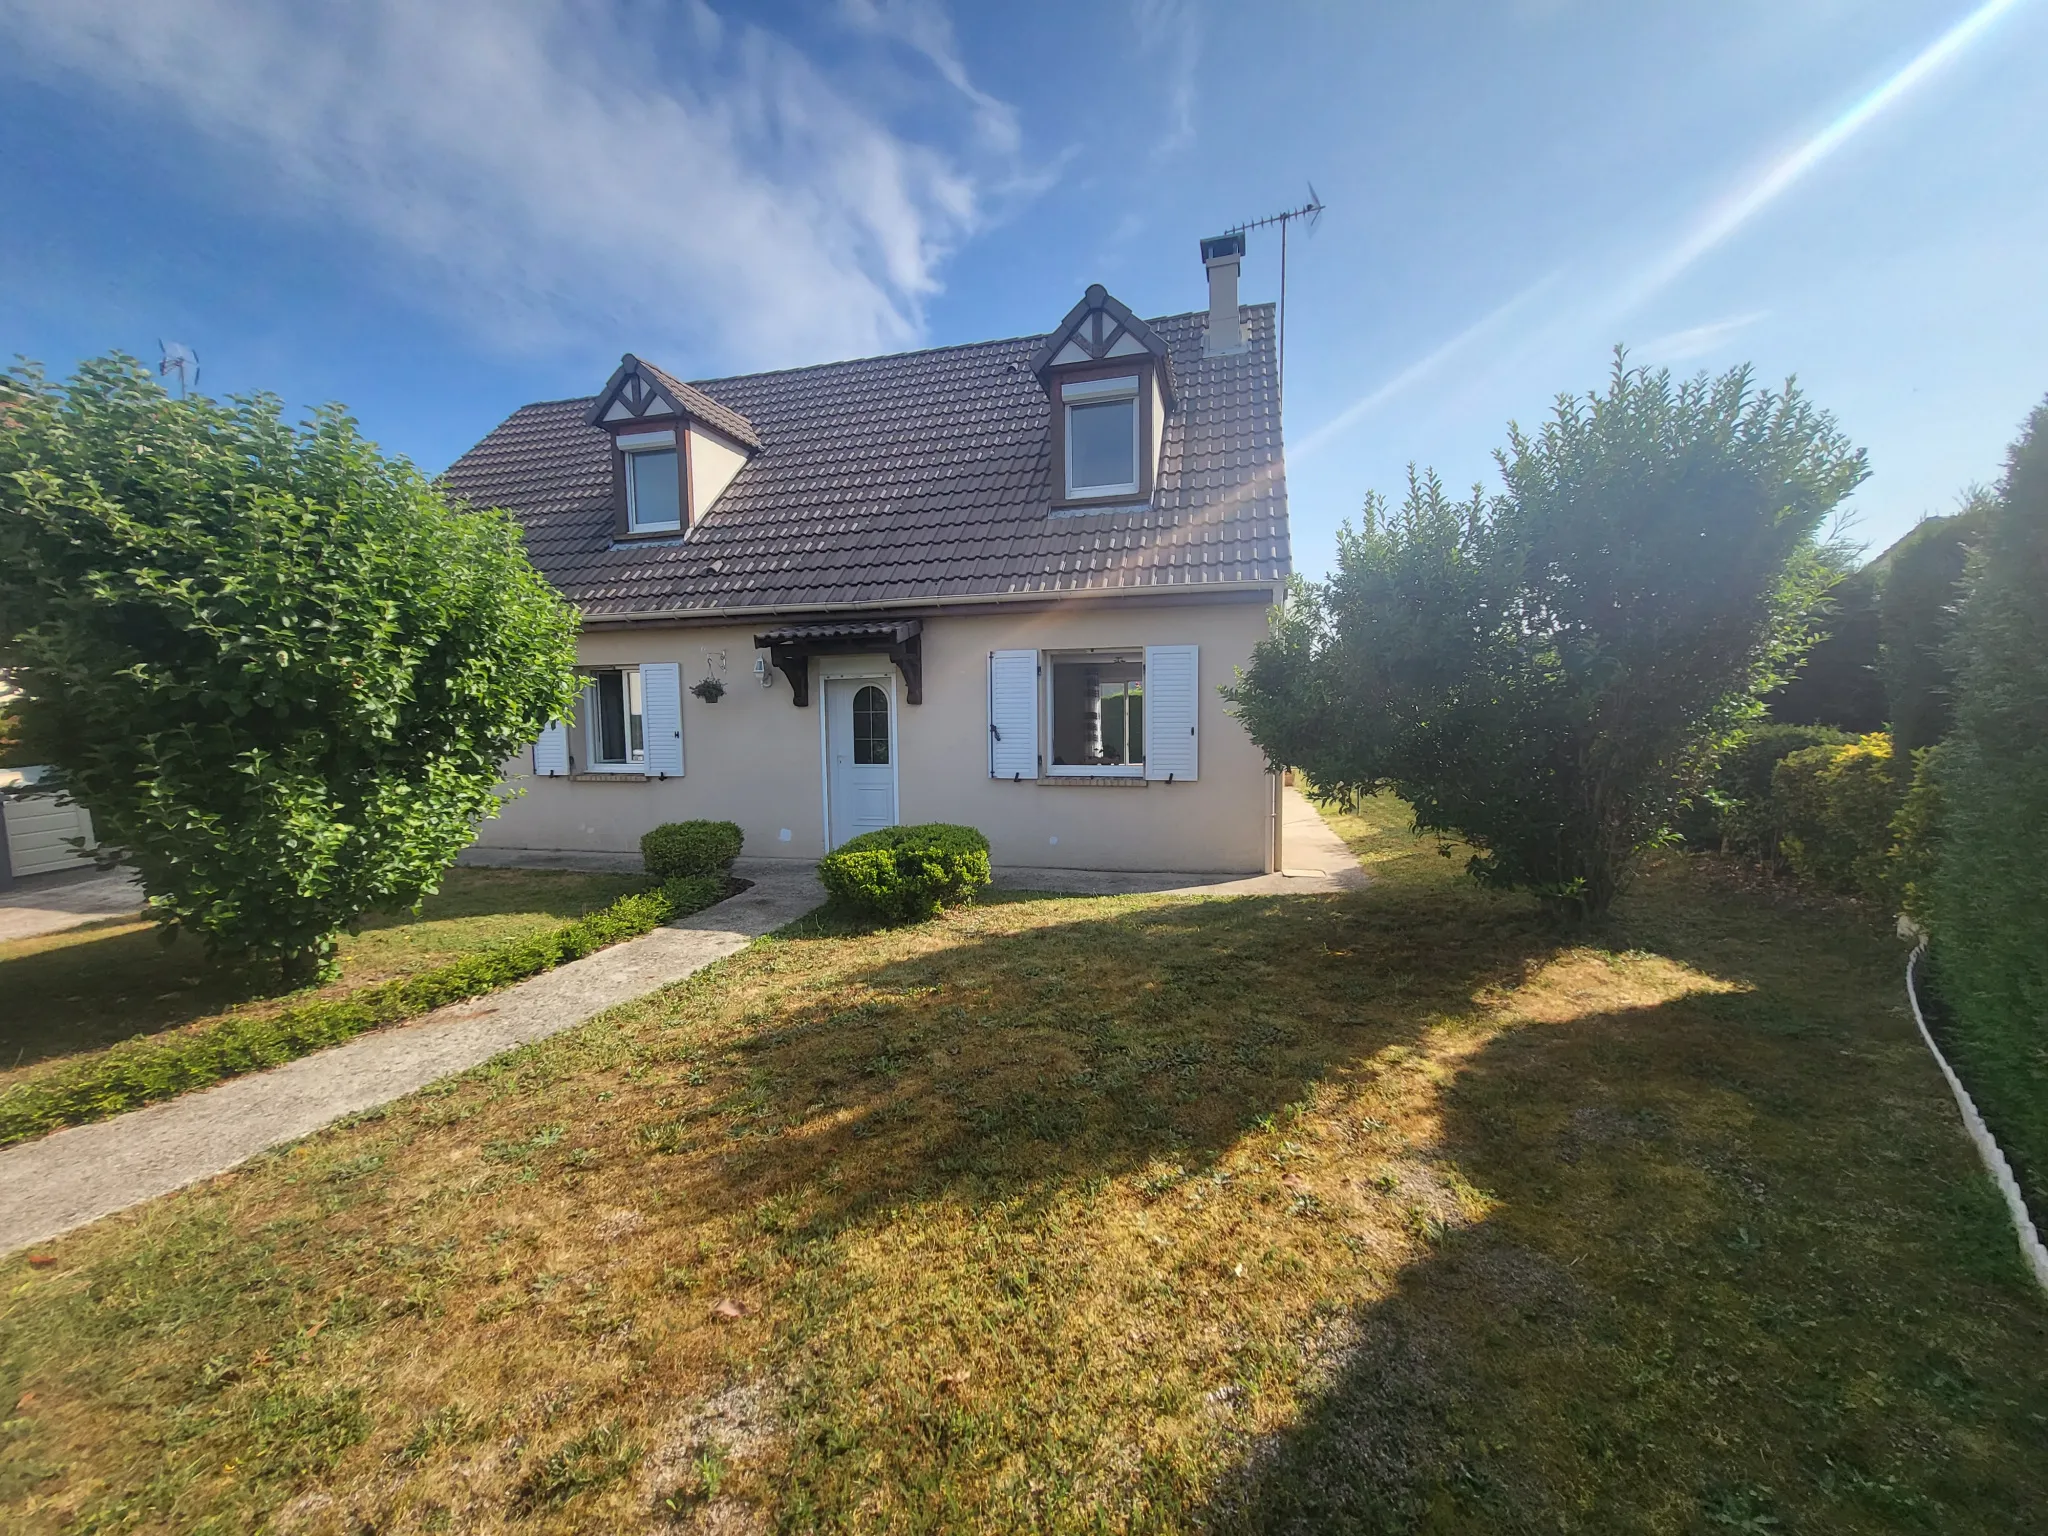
x=1396 y=1210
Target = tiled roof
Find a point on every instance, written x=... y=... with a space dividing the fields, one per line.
x=904 y=479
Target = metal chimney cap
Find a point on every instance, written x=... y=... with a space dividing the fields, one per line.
x=1223 y=247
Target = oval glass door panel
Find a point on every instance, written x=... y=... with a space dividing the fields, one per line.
x=870 y=726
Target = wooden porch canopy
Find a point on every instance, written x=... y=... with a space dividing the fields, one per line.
x=792 y=647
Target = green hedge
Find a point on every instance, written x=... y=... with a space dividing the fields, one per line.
x=906 y=874
x=679 y=849
x=145 y=1070
x=1988 y=916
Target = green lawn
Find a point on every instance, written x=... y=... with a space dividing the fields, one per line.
x=65 y=994
x=1391 y=1210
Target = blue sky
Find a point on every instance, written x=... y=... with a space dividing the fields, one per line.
x=437 y=210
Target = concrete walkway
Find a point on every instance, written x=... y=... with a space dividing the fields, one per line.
x=39 y=904
x=74 y=1176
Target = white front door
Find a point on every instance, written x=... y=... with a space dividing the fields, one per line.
x=860 y=756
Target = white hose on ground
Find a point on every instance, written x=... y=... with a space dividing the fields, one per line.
x=2031 y=1248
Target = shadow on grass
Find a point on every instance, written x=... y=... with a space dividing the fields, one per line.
x=1739 y=1274
x=1742 y=1275
x=90 y=987
x=1085 y=1049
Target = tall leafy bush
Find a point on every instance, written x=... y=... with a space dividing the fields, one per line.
x=280 y=670
x=1989 y=911
x=1544 y=672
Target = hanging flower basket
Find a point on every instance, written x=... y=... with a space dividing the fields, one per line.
x=711 y=690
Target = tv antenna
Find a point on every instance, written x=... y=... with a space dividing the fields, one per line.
x=1310 y=213
x=181 y=360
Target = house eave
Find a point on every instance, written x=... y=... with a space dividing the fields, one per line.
x=965 y=605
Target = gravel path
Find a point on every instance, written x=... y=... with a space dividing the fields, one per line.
x=74 y=1176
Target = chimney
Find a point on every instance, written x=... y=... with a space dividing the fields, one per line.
x=1221 y=254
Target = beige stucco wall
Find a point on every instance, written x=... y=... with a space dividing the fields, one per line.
x=755 y=759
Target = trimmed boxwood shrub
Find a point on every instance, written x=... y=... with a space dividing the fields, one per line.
x=905 y=874
x=144 y=1071
x=680 y=849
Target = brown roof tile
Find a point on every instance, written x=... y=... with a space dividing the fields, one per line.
x=905 y=478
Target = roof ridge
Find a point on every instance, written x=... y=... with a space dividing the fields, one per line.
x=954 y=346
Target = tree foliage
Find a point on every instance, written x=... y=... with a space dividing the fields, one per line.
x=1544 y=672
x=1838 y=683
x=281 y=671
x=1922 y=584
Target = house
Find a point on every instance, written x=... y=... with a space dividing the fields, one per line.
x=998 y=584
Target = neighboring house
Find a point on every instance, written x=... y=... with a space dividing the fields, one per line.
x=998 y=584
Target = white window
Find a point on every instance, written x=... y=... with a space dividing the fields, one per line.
x=1096 y=702
x=654 y=486
x=1127 y=713
x=1102 y=436
x=615 y=720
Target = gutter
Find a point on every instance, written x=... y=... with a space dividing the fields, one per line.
x=1267 y=592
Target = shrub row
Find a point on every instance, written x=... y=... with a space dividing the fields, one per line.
x=906 y=874
x=146 y=1070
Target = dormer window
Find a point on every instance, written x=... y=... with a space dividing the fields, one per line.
x=674 y=450
x=654 y=482
x=1104 y=451
x=1109 y=380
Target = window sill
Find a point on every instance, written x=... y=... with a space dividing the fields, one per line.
x=1107 y=501
x=610 y=776
x=1096 y=780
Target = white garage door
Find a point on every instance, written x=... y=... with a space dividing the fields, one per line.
x=38 y=831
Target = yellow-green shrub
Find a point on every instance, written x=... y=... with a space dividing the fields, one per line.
x=1834 y=810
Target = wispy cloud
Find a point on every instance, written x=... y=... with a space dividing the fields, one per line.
x=926 y=28
x=676 y=180
x=1170 y=40
x=1697 y=340
x=1420 y=370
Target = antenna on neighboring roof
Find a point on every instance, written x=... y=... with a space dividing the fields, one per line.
x=181 y=360
x=1310 y=213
